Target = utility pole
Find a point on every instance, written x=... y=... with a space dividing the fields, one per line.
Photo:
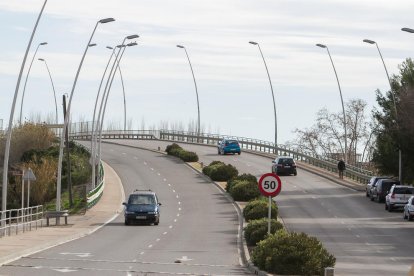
x=68 y=156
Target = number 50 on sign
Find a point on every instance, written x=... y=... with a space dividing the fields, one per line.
x=270 y=184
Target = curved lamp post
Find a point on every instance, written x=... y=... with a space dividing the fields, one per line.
x=271 y=88
x=10 y=126
x=25 y=82
x=53 y=87
x=342 y=100
x=195 y=85
x=66 y=120
x=395 y=105
x=96 y=126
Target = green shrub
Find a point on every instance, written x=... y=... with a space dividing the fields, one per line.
x=244 y=190
x=245 y=176
x=188 y=156
x=171 y=147
x=223 y=173
x=207 y=170
x=256 y=230
x=258 y=208
x=286 y=253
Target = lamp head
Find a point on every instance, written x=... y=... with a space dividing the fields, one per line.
x=321 y=45
x=43 y=43
x=408 y=30
x=120 y=46
x=132 y=36
x=92 y=44
x=109 y=47
x=41 y=59
x=369 y=41
x=106 y=20
x=254 y=43
x=180 y=46
x=132 y=44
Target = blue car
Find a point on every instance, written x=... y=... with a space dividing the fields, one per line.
x=228 y=146
x=142 y=207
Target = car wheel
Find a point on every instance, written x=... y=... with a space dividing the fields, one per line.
x=386 y=206
x=219 y=152
x=126 y=222
x=410 y=218
x=404 y=216
x=156 y=223
x=371 y=198
x=295 y=174
x=239 y=153
x=366 y=194
x=390 y=208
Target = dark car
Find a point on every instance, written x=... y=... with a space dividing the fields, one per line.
x=372 y=182
x=284 y=165
x=142 y=207
x=382 y=188
x=228 y=146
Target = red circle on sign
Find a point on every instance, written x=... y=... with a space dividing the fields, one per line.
x=266 y=185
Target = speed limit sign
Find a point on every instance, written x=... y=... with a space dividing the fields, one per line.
x=270 y=184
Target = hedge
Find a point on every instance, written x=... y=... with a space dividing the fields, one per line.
x=293 y=253
x=176 y=150
x=218 y=171
x=258 y=208
x=244 y=190
x=256 y=230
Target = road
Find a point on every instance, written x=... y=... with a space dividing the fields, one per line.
x=365 y=239
x=198 y=228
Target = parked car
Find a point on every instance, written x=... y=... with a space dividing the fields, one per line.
x=398 y=197
x=284 y=165
x=409 y=209
x=372 y=182
x=142 y=207
x=228 y=146
x=382 y=188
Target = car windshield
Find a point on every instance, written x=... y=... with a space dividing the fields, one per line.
x=231 y=142
x=141 y=199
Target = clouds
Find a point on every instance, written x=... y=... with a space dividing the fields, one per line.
x=230 y=73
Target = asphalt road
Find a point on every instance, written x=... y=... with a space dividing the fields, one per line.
x=365 y=239
x=198 y=228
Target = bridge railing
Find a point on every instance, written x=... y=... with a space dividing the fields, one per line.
x=254 y=145
x=20 y=220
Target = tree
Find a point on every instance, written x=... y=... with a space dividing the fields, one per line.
x=327 y=136
x=396 y=125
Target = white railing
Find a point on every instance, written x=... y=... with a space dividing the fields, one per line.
x=20 y=220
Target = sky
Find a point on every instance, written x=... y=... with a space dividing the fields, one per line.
x=233 y=86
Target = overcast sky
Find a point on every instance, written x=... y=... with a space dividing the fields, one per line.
x=234 y=92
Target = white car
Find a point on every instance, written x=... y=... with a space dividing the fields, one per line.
x=409 y=209
x=398 y=197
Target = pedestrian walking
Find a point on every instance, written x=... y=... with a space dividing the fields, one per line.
x=341 y=168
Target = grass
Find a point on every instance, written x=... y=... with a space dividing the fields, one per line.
x=79 y=204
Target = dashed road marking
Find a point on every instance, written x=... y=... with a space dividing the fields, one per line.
x=150 y=246
x=165 y=233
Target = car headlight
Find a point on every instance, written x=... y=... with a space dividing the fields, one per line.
x=152 y=213
x=128 y=213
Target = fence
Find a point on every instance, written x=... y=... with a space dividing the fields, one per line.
x=253 y=145
x=14 y=221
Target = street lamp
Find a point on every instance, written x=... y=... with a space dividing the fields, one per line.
x=66 y=119
x=195 y=85
x=25 y=82
x=9 y=128
x=342 y=100
x=95 y=128
x=393 y=98
x=408 y=30
x=271 y=88
x=53 y=87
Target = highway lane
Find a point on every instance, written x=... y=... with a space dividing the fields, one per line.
x=365 y=239
x=198 y=227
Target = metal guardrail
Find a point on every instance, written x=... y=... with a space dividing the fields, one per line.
x=357 y=174
x=20 y=220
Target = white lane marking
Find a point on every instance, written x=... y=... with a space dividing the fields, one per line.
x=178 y=215
x=393 y=259
x=170 y=226
x=81 y=255
x=142 y=253
x=177 y=196
x=314 y=197
x=179 y=202
x=173 y=191
x=158 y=174
x=165 y=233
x=152 y=169
x=157 y=240
x=342 y=222
x=165 y=179
x=179 y=209
x=349 y=229
x=145 y=163
x=169 y=185
x=123 y=153
x=175 y=220
x=149 y=246
x=358 y=236
x=63 y=270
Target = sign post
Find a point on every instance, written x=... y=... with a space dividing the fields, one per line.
x=270 y=185
x=29 y=176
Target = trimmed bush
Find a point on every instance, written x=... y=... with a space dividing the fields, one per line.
x=256 y=230
x=258 y=208
x=245 y=176
x=244 y=190
x=187 y=156
x=219 y=171
x=293 y=253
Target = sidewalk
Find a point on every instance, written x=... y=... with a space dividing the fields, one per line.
x=109 y=206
